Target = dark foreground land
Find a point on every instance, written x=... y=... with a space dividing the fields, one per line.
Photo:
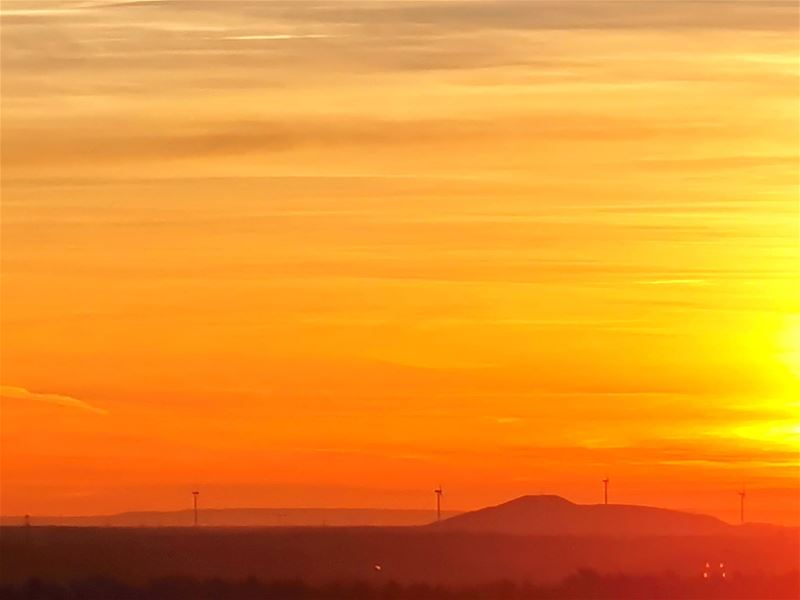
x=584 y=585
x=178 y=563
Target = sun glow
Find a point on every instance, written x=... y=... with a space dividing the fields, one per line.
x=776 y=432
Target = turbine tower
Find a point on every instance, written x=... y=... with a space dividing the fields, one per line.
x=438 y=491
x=605 y=489
x=195 y=494
x=28 y=529
x=742 y=494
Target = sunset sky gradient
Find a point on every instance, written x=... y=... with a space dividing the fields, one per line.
x=336 y=253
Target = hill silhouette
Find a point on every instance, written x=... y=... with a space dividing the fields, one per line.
x=242 y=517
x=554 y=515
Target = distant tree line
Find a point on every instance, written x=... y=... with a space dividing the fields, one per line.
x=584 y=585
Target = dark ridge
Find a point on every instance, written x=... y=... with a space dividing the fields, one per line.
x=553 y=515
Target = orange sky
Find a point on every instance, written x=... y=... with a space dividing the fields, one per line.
x=336 y=253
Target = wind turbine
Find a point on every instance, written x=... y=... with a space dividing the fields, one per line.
x=195 y=494
x=28 y=529
x=742 y=494
x=438 y=491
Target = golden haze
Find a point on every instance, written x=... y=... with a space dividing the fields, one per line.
x=337 y=254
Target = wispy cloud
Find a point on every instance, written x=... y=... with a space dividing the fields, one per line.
x=274 y=36
x=36 y=12
x=18 y=393
x=675 y=282
x=80 y=142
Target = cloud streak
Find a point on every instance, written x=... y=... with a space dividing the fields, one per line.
x=77 y=141
x=18 y=393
